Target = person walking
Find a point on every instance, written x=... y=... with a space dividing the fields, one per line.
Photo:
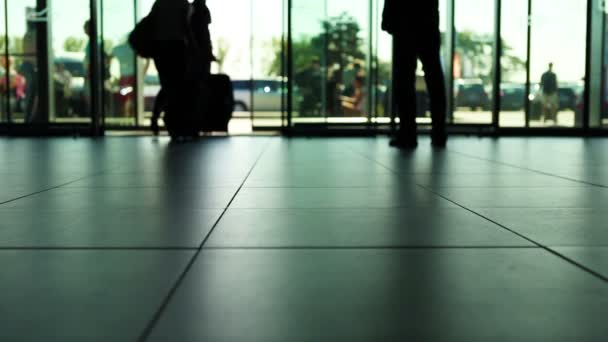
x=414 y=25
x=550 y=94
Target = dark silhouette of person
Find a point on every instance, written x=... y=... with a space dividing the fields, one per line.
x=184 y=57
x=550 y=95
x=414 y=25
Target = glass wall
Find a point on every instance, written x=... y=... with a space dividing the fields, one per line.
x=473 y=57
x=341 y=63
x=120 y=68
x=22 y=52
x=69 y=62
x=558 y=62
x=514 y=41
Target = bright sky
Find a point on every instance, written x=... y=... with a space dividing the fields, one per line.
x=558 y=27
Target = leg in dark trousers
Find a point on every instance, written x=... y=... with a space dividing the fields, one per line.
x=405 y=62
x=171 y=70
x=408 y=49
x=160 y=104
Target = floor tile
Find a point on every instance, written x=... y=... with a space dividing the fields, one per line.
x=183 y=180
x=500 y=180
x=555 y=227
x=124 y=228
x=321 y=198
x=83 y=295
x=125 y=198
x=359 y=227
x=554 y=197
x=438 y=295
x=595 y=258
x=331 y=179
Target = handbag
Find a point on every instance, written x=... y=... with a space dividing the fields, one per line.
x=142 y=39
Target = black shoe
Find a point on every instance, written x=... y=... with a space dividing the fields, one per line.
x=404 y=143
x=439 y=141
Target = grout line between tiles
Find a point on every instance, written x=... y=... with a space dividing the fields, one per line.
x=165 y=303
x=540 y=245
x=528 y=169
x=355 y=248
x=51 y=188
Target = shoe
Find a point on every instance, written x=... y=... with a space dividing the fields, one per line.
x=404 y=143
x=439 y=141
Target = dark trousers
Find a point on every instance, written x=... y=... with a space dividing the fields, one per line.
x=409 y=47
x=171 y=66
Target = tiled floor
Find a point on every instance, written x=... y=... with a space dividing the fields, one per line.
x=272 y=239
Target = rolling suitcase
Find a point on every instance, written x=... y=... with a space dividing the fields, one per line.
x=220 y=104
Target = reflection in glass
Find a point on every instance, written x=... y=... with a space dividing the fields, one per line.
x=120 y=70
x=70 y=53
x=564 y=46
x=474 y=21
x=309 y=60
x=514 y=31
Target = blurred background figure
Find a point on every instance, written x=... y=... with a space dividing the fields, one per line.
x=309 y=82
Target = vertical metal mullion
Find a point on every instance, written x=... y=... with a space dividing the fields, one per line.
x=604 y=71
x=136 y=105
x=8 y=65
x=528 y=64
x=282 y=72
x=95 y=70
x=371 y=79
x=251 y=62
x=588 y=68
x=451 y=50
x=42 y=63
x=497 y=79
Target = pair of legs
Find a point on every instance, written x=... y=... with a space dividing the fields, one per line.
x=409 y=47
x=170 y=64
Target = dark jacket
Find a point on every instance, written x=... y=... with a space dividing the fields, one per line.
x=403 y=16
x=200 y=21
x=170 y=20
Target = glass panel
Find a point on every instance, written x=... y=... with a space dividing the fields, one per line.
x=382 y=68
x=514 y=30
x=347 y=36
x=23 y=55
x=309 y=29
x=268 y=65
x=70 y=55
x=233 y=50
x=474 y=21
x=558 y=37
x=120 y=63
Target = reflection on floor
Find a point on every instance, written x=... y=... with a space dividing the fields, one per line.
x=270 y=239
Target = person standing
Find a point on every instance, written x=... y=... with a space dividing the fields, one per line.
x=550 y=94
x=414 y=25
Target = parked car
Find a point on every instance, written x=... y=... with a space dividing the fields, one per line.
x=73 y=63
x=471 y=93
x=512 y=96
x=267 y=95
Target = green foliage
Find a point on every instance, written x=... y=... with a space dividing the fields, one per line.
x=74 y=44
x=339 y=43
x=478 y=51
